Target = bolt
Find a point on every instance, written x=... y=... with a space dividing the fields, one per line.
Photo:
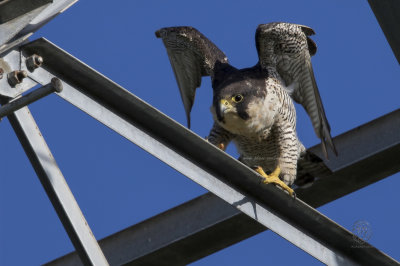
x=33 y=62
x=16 y=77
x=1 y=73
x=57 y=85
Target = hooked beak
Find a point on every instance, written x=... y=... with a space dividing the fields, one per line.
x=223 y=107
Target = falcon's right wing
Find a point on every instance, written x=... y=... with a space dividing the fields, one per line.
x=192 y=56
x=289 y=48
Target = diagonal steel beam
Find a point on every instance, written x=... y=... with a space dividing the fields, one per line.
x=203 y=163
x=11 y=9
x=19 y=19
x=387 y=12
x=56 y=187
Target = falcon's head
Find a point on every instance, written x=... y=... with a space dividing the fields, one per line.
x=238 y=102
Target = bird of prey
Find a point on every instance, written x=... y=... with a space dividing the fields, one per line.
x=253 y=107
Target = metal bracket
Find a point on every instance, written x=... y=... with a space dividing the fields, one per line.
x=15 y=80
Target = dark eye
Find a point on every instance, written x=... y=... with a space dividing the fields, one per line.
x=237 y=98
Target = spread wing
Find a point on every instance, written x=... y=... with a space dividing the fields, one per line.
x=192 y=56
x=288 y=48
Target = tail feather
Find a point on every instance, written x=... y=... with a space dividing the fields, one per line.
x=310 y=167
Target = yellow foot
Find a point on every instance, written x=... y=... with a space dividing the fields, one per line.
x=274 y=178
x=221 y=146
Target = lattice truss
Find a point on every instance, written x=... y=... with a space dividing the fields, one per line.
x=24 y=64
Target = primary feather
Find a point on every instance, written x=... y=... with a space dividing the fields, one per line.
x=192 y=56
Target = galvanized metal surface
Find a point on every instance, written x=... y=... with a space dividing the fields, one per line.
x=12 y=62
x=56 y=187
x=203 y=163
x=369 y=153
x=57 y=7
x=10 y=29
x=10 y=9
x=179 y=236
x=31 y=15
x=211 y=224
x=387 y=12
x=54 y=86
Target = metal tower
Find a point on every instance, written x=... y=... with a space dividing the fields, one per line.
x=235 y=196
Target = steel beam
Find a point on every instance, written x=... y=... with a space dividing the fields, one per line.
x=211 y=224
x=10 y=9
x=387 y=12
x=19 y=19
x=56 y=187
x=8 y=30
x=57 y=7
x=200 y=161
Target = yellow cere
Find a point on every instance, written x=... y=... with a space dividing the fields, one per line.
x=225 y=102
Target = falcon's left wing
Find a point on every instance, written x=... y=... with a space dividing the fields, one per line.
x=192 y=56
x=288 y=48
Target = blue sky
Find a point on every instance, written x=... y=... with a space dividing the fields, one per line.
x=117 y=184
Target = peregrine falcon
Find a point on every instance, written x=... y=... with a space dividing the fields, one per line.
x=253 y=107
